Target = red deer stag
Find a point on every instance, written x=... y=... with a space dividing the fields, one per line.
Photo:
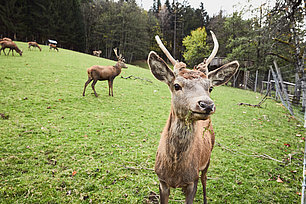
x=102 y=73
x=52 y=46
x=188 y=138
x=34 y=44
x=11 y=45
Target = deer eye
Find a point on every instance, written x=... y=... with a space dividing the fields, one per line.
x=210 y=89
x=177 y=87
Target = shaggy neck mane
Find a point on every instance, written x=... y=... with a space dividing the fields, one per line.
x=180 y=135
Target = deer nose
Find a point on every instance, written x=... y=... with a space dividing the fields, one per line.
x=207 y=107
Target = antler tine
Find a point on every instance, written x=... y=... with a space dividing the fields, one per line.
x=215 y=50
x=164 y=49
x=116 y=52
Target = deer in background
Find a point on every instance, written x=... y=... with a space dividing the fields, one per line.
x=52 y=46
x=34 y=44
x=11 y=45
x=97 y=53
x=188 y=138
x=101 y=73
x=6 y=39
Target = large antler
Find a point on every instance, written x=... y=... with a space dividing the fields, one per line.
x=116 y=53
x=215 y=50
x=164 y=49
x=203 y=67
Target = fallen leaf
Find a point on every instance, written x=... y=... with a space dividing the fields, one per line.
x=287 y=145
x=279 y=180
x=74 y=173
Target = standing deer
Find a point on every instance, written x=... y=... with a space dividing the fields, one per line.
x=102 y=73
x=188 y=138
x=52 y=46
x=11 y=45
x=34 y=44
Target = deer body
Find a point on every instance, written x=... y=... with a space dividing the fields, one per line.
x=183 y=146
x=7 y=39
x=34 y=44
x=188 y=138
x=11 y=45
x=52 y=46
x=101 y=73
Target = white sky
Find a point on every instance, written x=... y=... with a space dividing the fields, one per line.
x=213 y=6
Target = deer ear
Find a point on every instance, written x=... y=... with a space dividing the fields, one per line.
x=160 y=69
x=223 y=74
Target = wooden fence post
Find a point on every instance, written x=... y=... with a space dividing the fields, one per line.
x=255 y=85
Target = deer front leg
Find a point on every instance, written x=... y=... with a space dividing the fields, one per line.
x=109 y=87
x=164 y=192
x=86 y=83
x=190 y=192
x=112 y=87
x=203 y=180
x=93 y=87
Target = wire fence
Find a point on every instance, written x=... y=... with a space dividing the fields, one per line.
x=281 y=87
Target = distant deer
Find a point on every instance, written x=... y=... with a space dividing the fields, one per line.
x=6 y=39
x=188 y=138
x=11 y=45
x=52 y=46
x=34 y=44
x=102 y=73
x=97 y=53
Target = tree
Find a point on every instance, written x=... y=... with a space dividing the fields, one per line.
x=196 y=48
x=287 y=23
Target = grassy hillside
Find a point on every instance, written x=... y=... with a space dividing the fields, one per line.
x=57 y=146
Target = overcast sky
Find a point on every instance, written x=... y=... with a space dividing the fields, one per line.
x=213 y=6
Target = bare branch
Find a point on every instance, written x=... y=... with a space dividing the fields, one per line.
x=255 y=154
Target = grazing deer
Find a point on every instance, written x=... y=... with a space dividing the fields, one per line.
x=11 y=45
x=52 y=46
x=188 y=138
x=97 y=53
x=102 y=73
x=34 y=44
x=6 y=39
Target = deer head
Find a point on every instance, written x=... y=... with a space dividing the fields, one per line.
x=190 y=89
x=121 y=60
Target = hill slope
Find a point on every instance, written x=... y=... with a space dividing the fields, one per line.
x=57 y=146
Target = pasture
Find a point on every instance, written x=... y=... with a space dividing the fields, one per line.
x=57 y=146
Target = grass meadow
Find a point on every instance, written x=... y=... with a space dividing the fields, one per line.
x=57 y=146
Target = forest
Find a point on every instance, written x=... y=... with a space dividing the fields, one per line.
x=269 y=33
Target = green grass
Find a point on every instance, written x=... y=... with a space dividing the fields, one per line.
x=57 y=146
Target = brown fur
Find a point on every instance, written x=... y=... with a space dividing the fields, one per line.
x=7 y=39
x=34 y=44
x=11 y=45
x=101 y=73
x=52 y=46
x=191 y=74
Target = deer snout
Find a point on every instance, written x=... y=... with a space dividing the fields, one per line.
x=206 y=106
